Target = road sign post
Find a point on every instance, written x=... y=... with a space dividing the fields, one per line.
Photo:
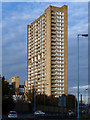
x=62 y=103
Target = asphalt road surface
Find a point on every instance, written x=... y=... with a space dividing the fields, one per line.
x=42 y=117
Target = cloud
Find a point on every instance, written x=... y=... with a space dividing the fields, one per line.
x=15 y=21
x=82 y=89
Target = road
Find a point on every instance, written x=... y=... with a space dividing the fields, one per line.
x=43 y=117
x=48 y=116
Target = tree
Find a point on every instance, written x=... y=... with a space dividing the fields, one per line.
x=30 y=95
x=40 y=99
x=46 y=100
x=30 y=98
x=5 y=87
x=7 y=100
x=71 y=101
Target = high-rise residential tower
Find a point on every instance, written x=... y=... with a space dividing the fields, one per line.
x=47 y=52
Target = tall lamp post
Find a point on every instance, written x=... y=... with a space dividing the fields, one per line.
x=83 y=35
x=34 y=95
x=86 y=96
x=46 y=84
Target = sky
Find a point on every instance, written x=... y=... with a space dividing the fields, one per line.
x=15 y=18
x=45 y=1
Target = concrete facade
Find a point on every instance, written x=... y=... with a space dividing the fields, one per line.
x=47 y=52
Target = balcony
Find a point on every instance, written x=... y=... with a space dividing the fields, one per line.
x=60 y=66
x=53 y=66
x=53 y=62
x=53 y=13
x=61 y=73
x=61 y=43
x=60 y=58
x=60 y=51
x=29 y=57
x=53 y=78
x=53 y=69
x=54 y=93
x=53 y=36
x=60 y=47
x=58 y=36
x=60 y=25
x=53 y=51
x=58 y=44
x=62 y=78
x=60 y=32
x=62 y=28
x=52 y=55
x=53 y=32
x=60 y=62
x=58 y=13
x=53 y=58
x=53 y=73
x=62 y=21
x=53 y=20
x=61 y=18
x=53 y=90
x=61 y=69
x=53 y=40
x=52 y=16
x=53 y=28
x=53 y=81
x=53 y=85
x=53 y=25
x=53 y=43
x=59 y=28
x=53 y=47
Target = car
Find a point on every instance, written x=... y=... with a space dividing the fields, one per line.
x=84 y=111
x=39 y=112
x=12 y=114
x=70 y=113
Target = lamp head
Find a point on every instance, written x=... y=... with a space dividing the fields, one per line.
x=85 y=35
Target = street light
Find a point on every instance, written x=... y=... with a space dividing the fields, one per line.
x=46 y=84
x=83 y=35
x=34 y=95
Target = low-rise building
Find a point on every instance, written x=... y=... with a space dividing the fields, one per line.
x=7 y=80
